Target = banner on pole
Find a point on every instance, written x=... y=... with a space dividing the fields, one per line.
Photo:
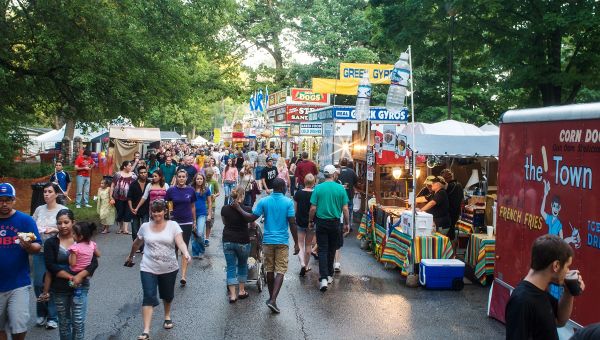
x=378 y=73
x=345 y=86
x=217 y=136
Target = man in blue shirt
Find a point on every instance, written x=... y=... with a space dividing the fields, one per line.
x=278 y=212
x=63 y=179
x=14 y=266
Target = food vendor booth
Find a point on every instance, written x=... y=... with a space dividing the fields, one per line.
x=287 y=109
x=450 y=144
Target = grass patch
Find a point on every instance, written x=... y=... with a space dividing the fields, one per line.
x=85 y=214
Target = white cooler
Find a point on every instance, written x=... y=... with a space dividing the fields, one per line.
x=424 y=223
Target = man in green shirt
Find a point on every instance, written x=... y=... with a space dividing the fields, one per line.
x=328 y=201
x=168 y=169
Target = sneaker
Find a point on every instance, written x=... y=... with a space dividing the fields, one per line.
x=40 y=321
x=273 y=307
x=330 y=279
x=337 y=267
x=78 y=206
x=51 y=324
x=206 y=243
x=323 y=285
x=88 y=206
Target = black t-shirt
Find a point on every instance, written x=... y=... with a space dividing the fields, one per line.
x=135 y=195
x=441 y=218
x=239 y=163
x=349 y=179
x=236 y=227
x=302 y=198
x=269 y=175
x=455 y=198
x=531 y=313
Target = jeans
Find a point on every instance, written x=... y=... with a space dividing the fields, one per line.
x=198 y=236
x=72 y=311
x=43 y=309
x=292 y=185
x=327 y=232
x=164 y=284
x=258 y=172
x=236 y=256
x=248 y=199
x=83 y=190
x=227 y=188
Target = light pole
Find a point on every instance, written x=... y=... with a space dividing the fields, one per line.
x=452 y=13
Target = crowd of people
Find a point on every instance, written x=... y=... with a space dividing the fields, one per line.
x=169 y=200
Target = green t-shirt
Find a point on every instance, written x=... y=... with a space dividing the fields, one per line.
x=329 y=197
x=213 y=185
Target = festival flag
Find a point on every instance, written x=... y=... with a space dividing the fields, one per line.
x=266 y=96
x=259 y=101
x=251 y=102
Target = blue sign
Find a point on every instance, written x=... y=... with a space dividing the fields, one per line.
x=378 y=114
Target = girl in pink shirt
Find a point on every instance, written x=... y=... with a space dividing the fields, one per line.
x=82 y=252
x=230 y=178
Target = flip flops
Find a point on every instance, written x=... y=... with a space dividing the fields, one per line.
x=168 y=324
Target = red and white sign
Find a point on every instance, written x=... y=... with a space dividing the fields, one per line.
x=307 y=96
x=299 y=113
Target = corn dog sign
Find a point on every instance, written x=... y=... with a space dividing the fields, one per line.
x=549 y=183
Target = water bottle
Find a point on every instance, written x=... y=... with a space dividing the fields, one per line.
x=363 y=98
x=398 y=84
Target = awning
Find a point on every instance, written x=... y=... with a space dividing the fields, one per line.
x=134 y=134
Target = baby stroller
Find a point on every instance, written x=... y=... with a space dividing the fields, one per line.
x=256 y=270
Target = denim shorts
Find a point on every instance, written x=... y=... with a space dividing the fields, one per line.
x=164 y=282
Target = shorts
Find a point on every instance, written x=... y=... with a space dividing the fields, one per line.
x=276 y=258
x=14 y=310
x=164 y=282
x=123 y=212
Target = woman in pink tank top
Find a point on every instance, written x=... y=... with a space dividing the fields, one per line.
x=156 y=190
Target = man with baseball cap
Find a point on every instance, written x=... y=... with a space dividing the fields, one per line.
x=269 y=173
x=19 y=237
x=329 y=201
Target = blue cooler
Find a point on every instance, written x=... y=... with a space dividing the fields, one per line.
x=442 y=274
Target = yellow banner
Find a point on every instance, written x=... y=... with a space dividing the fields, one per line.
x=336 y=86
x=217 y=136
x=378 y=73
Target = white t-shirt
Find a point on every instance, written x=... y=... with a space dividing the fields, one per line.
x=45 y=218
x=159 y=248
x=252 y=156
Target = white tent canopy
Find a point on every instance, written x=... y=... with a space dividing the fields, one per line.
x=134 y=134
x=452 y=138
x=199 y=140
x=56 y=136
x=489 y=127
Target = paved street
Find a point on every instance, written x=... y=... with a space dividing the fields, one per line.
x=366 y=301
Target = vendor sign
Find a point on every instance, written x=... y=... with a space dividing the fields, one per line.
x=378 y=73
x=299 y=113
x=347 y=87
x=277 y=98
x=307 y=96
x=295 y=129
x=377 y=114
x=217 y=136
x=281 y=130
x=389 y=138
x=277 y=114
x=311 y=129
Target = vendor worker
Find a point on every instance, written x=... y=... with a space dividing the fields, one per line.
x=424 y=196
x=439 y=206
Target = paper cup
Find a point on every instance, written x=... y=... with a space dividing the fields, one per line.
x=490 y=231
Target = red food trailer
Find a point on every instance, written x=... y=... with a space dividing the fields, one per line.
x=549 y=182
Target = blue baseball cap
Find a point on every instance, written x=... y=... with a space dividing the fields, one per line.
x=7 y=190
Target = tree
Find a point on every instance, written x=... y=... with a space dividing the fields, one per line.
x=93 y=61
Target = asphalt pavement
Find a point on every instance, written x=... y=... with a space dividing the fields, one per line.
x=365 y=301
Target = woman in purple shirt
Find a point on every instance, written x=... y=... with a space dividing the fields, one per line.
x=183 y=211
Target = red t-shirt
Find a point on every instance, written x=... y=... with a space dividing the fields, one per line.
x=304 y=168
x=80 y=161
